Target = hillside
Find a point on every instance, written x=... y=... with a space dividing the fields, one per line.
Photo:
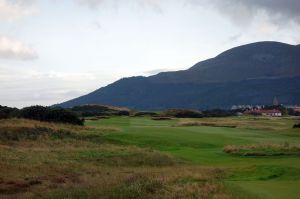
x=249 y=74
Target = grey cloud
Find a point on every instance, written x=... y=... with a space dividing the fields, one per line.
x=239 y=11
x=242 y=12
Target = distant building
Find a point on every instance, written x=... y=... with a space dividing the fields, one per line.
x=263 y=112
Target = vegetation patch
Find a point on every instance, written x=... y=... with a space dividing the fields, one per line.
x=161 y=118
x=152 y=183
x=296 y=125
x=182 y=113
x=125 y=156
x=22 y=129
x=263 y=150
x=100 y=110
x=145 y=113
x=195 y=123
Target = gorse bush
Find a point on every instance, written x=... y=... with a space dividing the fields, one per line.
x=47 y=114
x=218 y=113
x=100 y=110
x=64 y=116
x=182 y=113
x=34 y=113
x=7 y=112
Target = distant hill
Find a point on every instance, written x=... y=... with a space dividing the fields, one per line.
x=249 y=74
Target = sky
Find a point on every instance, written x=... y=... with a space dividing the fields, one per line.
x=55 y=50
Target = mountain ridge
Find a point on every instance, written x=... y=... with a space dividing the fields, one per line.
x=252 y=73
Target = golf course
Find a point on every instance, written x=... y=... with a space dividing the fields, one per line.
x=138 y=157
x=271 y=177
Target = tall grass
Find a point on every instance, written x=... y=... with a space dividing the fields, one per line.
x=263 y=149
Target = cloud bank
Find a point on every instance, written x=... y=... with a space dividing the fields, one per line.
x=241 y=12
x=11 y=10
x=13 y=49
x=23 y=87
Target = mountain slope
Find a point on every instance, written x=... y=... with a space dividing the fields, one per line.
x=252 y=61
x=249 y=74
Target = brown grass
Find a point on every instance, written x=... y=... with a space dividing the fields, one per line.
x=263 y=149
x=211 y=124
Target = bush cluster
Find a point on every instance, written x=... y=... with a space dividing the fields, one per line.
x=42 y=113
x=47 y=114
x=7 y=112
x=182 y=113
x=218 y=113
x=99 y=110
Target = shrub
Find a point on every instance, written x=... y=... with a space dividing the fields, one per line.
x=144 y=113
x=7 y=112
x=296 y=125
x=161 y=118
x=90 y=110
x=218 y=113
x=47 y=114
x=34 y=112
x=64 y=116
x=183 y=113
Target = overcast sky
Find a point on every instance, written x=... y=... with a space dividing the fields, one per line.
x=55 y=50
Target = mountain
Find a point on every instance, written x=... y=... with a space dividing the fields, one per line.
x=248 y=74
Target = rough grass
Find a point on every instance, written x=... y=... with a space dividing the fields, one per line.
x=45 y=160
x=12 y=130
x=212 y=124
x=140 y=183
x=263 y=149
x=253 y=123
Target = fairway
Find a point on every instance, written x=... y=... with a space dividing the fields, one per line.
x=260 y=177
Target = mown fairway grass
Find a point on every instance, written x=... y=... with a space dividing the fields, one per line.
x=259 y=177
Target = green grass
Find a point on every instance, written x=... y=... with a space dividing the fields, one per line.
x=203 y=145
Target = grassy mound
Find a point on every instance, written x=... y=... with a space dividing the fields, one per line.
x=263 y=149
